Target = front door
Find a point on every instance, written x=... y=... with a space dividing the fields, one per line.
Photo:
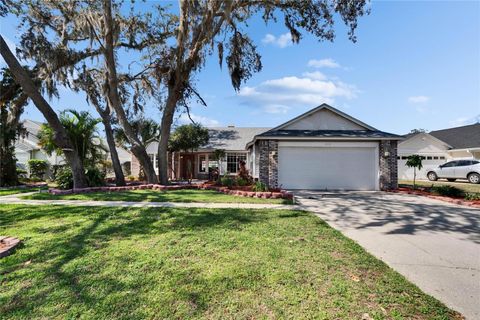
x=187 y=166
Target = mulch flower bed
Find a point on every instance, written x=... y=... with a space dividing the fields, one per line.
x=235 y=191
x=7 y=245
x=423 y=192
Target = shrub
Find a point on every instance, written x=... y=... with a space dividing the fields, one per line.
x=241 y=182
x=226 y=181
x=95 y=177
x=448 y=191
x=64 y=178
x=22 y=173
x=37 y=168
x=472 y=196
x=260 y=187
x=131 y=178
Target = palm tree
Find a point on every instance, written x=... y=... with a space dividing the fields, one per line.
x=147 y=131
x=81 y=128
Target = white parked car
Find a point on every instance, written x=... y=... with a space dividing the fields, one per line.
x=457 y=169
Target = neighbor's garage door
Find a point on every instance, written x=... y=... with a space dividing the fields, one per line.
x=331 y=166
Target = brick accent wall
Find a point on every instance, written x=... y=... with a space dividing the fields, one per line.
x=268 y=162
x=388 y=165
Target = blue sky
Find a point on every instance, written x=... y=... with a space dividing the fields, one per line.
x=416 y=64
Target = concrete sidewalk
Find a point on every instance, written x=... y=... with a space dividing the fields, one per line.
x=15 y=199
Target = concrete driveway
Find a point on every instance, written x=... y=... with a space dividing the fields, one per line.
x=434 y=244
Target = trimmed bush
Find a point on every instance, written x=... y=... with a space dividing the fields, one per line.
x=37 y=168
x=95 y=177
x=260 y=187
x=448 y=191
x=241 y=182
x=64 y=178
x=472 y=196
x=226 y=181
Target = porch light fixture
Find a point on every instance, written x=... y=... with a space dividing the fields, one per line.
x=386 y=154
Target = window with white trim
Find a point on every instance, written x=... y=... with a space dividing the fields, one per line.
x=233 y=161
x=153 y=158
x=202 y=163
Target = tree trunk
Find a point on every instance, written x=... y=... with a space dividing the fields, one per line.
x=414 y=177
x=138 y=149
x=166 y=126
x=61 y=138
x=117 y=166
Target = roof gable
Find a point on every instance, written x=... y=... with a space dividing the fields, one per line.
x=422 y=142
x=324 y=117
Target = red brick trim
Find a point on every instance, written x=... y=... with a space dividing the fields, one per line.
x=282 y=194
x=7 y=245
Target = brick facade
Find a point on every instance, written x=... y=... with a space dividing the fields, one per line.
x=268 y=162
x=388 y=164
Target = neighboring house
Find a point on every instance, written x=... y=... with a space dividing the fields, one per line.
x=323 y=148
x=27 y=147
x=438 y=147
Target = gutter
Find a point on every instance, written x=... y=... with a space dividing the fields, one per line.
x=321 y=138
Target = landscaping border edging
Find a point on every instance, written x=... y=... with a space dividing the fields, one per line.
x=282 y=194
x=10 y=243
x=460 y=201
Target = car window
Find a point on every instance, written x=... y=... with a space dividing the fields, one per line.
x=463 y=163
x=450 y=164
x=475 y=162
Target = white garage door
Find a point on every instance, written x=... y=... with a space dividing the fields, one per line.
x=339 y=167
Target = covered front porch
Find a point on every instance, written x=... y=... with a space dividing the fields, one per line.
x=203 y=165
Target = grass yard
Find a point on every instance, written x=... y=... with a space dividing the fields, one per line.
x=463 y=185
x=10 y=191
x=165 y=263
x=159 y=196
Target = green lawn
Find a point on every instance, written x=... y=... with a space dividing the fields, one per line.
x=463 y=185
x=10 y=191
x=165 y=263
x=159 y=196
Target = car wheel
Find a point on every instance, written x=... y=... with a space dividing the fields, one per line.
x=432 y=176
x=451 y=180
x=474 y=178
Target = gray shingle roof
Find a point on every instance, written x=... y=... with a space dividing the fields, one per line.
x=330 y=134
x=231 y=138
x=460 y=137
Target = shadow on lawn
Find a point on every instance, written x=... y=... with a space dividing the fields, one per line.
x=401 y=214
x=53 y=260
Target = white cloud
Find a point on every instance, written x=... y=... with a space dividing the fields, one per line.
x=282 y=41
x=279 y=95
x=418 y=99
x=463 y=121
x=324 y=63
x=205 y=121
x=317 y=75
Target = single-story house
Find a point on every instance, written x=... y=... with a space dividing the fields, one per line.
x=438 y=147
x=323 y=149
